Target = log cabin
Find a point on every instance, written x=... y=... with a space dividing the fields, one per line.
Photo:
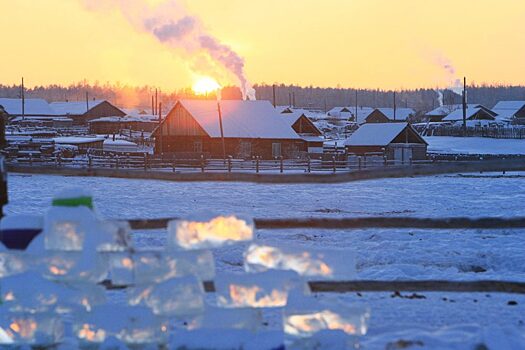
x=396 y=141
x=306 y=129
x=249 y=128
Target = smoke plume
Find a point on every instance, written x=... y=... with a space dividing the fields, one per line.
x=170 y=24
x=452 y=80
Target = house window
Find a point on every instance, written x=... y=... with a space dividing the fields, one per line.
x=276 y=150
x=197 y=146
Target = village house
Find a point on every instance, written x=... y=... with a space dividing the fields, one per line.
x=397 y=141
x=306 y=129
x=438 y=114
x=387 y=115
x=510 y=112
x=474 y=112
x=340 y=113
x=83 y=111
x=249 y=128
x=29 y=107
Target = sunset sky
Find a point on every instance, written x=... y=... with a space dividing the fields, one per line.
x=347 y=43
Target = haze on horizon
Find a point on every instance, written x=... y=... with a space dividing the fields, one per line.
x=349 y=43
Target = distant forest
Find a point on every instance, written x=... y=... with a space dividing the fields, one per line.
x=421 y=100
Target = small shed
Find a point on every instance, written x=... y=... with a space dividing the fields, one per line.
x=82 y=143
x=386 y=115
x=397 y=141
x=306 y=129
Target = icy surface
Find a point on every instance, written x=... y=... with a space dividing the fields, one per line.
x=436 y=320
x=474 y=145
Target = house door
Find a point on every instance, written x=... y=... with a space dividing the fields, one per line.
x=407 y=155
x=398 y=155
x=276 y=150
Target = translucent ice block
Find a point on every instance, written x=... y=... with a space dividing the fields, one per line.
x=228 y=318
x=29 y=292
x=74 y=266
x=142 y=267
x=175 y=297
x=118 y=236
x=264 y=289
x=305 y=316
x=131 y=325
x=206 y=233
x=309 y=262
x=14 y=262
x=29 y=329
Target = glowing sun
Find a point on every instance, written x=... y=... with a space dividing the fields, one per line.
x=205 y=85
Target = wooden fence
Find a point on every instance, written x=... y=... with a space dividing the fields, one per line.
x=491 y=132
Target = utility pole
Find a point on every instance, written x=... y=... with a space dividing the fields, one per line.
x=160 y=128
x=465 y=106
x=293 y=100
x=22 y=95
x=3 y=168
x=87 y=102
x=222 y=132
x=156 y=102
x=357 y=121
x=394 y=106
x=152 y=105
x=274 y=102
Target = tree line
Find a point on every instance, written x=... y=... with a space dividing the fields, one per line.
x=310 y=97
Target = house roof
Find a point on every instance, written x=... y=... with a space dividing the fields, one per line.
x=472 y=109
x=293 y=117
x=377 y=134
x=511 y=105
x=32 y=106
x=240 y=119
x=76 y=140
x=400 y=113
x=74 y=107
x=443 y=110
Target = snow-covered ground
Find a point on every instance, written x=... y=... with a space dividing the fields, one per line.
x=437 y=321
x=474 y=145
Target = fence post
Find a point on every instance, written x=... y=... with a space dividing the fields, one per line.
x=31 y=159
x=202 y=162
x=173 y=164
x=89 y=161
x=333 y=164
x=281 y=164
x=309 y=164
x=117 y=162
x=385 y=161
x=359 y=162
x=257 y=164
x=229 y=164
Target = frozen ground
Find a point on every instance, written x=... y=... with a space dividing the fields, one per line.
x=474 y=145
x=437 y=321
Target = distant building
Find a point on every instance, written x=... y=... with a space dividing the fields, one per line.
x=29 y=107
x=387 y=115
x=113 y=125
x=250 y=128
x=306 y=129
x=397 y=141
x=474 y=112
x=438 y=114
x=82 y=112
x=341 y=113
x=510 y=111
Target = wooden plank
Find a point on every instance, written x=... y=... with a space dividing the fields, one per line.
x=359 y=223
x=481 y=286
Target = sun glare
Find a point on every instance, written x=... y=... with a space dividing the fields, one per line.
x=205 y=85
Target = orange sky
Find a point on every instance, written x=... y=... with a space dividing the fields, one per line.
x=350 y=43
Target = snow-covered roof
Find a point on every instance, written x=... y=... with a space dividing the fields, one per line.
x=291 y=118
x=376 y=134
x=74 y=107
x=443 y=110
x=512 y=105
x=472 y=109
x=313 y=138
x=125 y=119
x=75 y=140
x=32 y=106
x=400 y=113
x=240 y=119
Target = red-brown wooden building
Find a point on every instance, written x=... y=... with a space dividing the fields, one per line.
x=83 y=111
x=250 y=128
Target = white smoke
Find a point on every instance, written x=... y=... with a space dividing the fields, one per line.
x=452 y=80
x=169 y=23
x=440 y=97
